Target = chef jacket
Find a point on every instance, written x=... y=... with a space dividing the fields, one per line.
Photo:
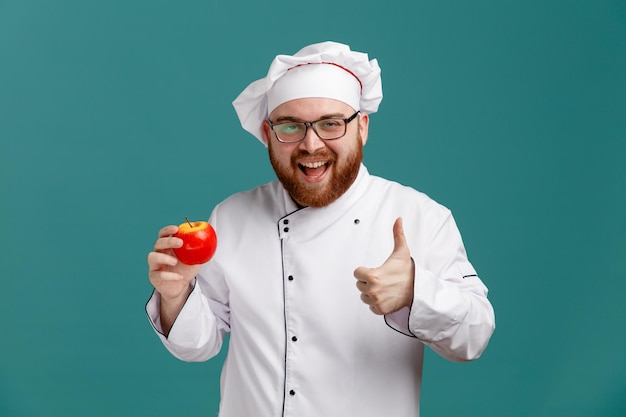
x=302 y=343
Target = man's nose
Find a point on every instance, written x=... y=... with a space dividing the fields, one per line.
x=311 y=141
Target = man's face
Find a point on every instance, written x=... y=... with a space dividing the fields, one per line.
x=316 y=172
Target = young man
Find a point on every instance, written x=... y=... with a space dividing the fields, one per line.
x=330 y=280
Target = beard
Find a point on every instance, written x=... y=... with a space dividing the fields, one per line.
x=342 y=176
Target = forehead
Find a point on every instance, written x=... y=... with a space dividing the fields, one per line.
x=311 y=108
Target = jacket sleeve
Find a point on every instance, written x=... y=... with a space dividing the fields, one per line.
x=450 y=310
x=199 y=329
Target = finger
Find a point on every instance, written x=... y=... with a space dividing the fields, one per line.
x=367 y=299
x=157 y=260
x=168 y=242
x=362 y=286
x=362 y=273
x=168 y=231
x=376 y=310
x=161 y=276
x=399 y=240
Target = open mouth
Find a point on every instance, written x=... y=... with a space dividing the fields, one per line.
x=313 y=169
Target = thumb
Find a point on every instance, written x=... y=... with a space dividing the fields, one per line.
x=399 y=240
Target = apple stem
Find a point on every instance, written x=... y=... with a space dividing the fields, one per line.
x=186 y=218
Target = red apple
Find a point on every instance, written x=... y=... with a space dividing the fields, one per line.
x=199 y=242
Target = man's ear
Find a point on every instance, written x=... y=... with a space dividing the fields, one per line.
x=266 y=131
x=364 y=121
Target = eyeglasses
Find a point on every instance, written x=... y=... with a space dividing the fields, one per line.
x=325 y=129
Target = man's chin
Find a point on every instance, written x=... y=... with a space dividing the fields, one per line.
x=309 y=194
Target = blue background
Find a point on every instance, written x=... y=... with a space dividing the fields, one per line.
x=115 y=119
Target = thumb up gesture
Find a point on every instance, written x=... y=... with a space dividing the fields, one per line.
x=389 y=287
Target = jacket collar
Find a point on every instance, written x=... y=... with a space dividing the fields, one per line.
x=312 y=220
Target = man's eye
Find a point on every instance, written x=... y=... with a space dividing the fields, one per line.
x=331 y=123
x=290 y=128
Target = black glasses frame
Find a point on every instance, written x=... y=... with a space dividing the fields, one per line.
x=312 y=125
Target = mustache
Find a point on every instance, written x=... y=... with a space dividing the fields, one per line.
x=320 y=153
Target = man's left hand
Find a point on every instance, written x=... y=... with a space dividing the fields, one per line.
x=389 y=287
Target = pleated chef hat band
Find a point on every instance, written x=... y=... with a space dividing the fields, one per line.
x=343 y=75
x=315 y=80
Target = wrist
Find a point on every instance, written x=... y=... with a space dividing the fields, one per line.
x=175 y=298
x=170 y=308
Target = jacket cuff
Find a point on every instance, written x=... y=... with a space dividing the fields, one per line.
x=153 y=310
x=399 y=321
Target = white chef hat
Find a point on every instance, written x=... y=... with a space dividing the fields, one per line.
x=327 y=69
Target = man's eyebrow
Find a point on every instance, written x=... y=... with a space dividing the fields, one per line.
x=283 y=119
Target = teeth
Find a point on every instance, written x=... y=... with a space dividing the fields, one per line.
x=313 y=164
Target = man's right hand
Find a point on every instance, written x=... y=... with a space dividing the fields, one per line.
x=170 y=277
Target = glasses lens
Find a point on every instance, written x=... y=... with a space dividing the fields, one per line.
x=330 y=128
x=290 y=132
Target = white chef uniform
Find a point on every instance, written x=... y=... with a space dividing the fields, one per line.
x=302 y=343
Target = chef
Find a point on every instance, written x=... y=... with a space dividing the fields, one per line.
x=331 y=281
